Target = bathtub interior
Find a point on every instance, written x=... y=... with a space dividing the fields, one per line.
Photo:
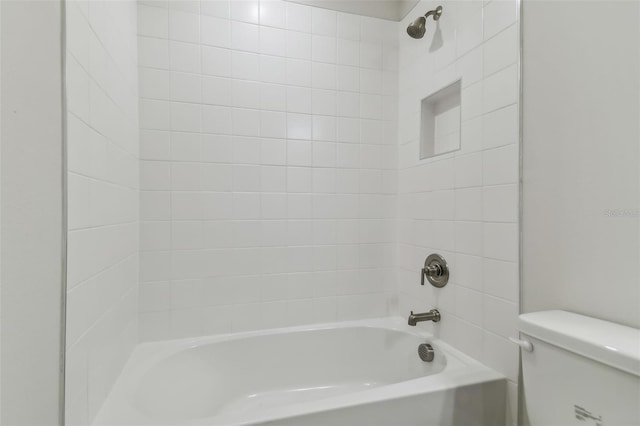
x=266 y=371
x=249 y=378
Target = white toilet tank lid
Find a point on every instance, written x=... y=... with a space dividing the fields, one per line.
x=612 y=344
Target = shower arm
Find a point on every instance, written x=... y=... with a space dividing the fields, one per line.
x=436 y=13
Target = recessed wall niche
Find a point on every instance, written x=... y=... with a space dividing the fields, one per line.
x=440 y=122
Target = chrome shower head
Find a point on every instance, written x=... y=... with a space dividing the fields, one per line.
x=418 y=27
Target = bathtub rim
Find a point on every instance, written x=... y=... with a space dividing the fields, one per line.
x=162 y=348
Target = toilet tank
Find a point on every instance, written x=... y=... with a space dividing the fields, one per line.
x=581 y=371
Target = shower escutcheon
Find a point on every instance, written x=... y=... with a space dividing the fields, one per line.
x=435 y=270
x=418 y=27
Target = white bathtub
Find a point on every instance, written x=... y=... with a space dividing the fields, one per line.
x=350 y=373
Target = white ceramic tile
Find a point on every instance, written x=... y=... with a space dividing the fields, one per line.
x=501 y=241
x=348 y=129
x=298 y=17
x=245 y=36
x=299 y=100
x=274 y=151
x=348 y=104
x=501 y=355
x=348 y=26
x=469 y=204
x=273 y=124
x=501 y=279
x=323 y=48
x=246 y=150
x=469 y=305
x=469 y=238
x=471 y=101
x=216 y=91
x=246 y=122
x=185 y=146
x=467 y=272
x=498 y=15
x=217 y=8
x=500 y=165
x=216 y=61
x=185 y=87
x=371 y=55
x=470 y=66
x=298 y=45
x=154 y=145
x=273 y=179
x=153 y=83
x=191 y=6
x=186 y=117
x=246 y=178
x=217 y=148
x=323 y=21
x=500 y=203
x=324 y=128
x=501 y=51
x=298 y=72
x=273 y=13
x=152 y=22
x=154 y=52
x=215 y=31
x=470 y=30
x=500 y=316
x=185 y=177
x=348 y=52
x=323 y=103
x=500 y=89
x=500 y=127
x=323 y=76
x=273 y=97
x=348 y=78
x=184 y=26
x=154 y=175
x=245 y=94
x=298 y=126
x=245 y=11
x=154 y=114
x=272 y=70
x=184 y=57
x=216 y=119
x=273 y=41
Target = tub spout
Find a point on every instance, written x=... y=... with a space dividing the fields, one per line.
x=432 y=315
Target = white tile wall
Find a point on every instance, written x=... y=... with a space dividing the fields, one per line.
x=268 y=166
x=464 y=205
x=102 y=92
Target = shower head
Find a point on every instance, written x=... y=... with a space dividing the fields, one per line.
x=418 y=27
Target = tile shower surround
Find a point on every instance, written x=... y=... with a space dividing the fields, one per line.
x=464 y=205
x=103 y=206
x=268 y=168
x=278 y=175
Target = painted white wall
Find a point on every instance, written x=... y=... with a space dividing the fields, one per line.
x=581 y=147
x=31 y=204
x=268 y=166
x=103 y=151
x=464 y=205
